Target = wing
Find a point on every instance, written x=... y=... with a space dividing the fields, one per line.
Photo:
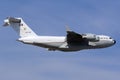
x=73 y=37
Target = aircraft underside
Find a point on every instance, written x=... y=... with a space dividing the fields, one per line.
x=66 y=48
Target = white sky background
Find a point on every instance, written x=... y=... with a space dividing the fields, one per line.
x=24 y=62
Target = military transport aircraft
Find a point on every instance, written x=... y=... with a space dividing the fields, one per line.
x=71 y=42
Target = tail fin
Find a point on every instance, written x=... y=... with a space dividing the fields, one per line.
x=19 y=26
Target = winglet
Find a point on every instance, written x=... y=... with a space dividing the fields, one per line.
x=68 y=29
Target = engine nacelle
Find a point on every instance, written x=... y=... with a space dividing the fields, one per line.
x=90 y=37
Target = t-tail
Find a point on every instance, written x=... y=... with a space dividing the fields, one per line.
x=19 y=26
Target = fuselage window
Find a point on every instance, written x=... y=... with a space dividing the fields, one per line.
x=110 y=38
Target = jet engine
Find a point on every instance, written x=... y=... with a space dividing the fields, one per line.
x=91 y=37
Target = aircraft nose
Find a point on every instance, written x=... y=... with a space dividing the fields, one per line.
x=114 y=41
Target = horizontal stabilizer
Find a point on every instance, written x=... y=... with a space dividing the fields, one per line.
x=9 y=20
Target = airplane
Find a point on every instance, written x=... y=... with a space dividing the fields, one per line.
x=71 y=42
